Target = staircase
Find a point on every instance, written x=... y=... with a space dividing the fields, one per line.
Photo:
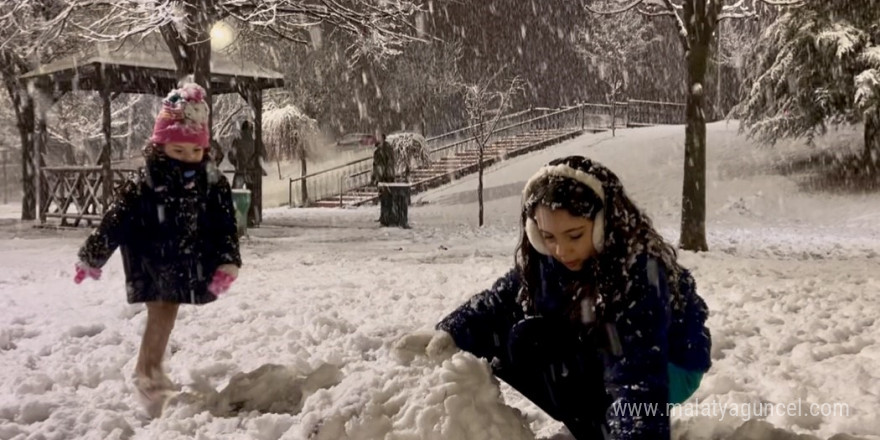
x=451 y=167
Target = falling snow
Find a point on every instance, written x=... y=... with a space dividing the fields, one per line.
x=307 y=344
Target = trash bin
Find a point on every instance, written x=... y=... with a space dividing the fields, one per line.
x=241 y=200
x=394 y=204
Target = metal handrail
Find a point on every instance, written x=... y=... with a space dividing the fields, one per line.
x=519 y=124
x=337 y=167
x=325 y=182
x=302 y=179
x=78 y=168
x=342 y=180
x=433 y=138
x=462 y=130
x=344 y=188
x=641 y=101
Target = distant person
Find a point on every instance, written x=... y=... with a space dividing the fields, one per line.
x=216 y=152
x=383 y=161
x=596 y=318
x=175 y=226
x=384 y=172
x=243 y=150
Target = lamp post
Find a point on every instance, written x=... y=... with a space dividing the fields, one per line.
x=222 y=36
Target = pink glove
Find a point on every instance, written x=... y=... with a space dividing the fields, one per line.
x=220 y=283
x=83 y=270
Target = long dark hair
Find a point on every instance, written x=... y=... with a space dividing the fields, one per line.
x=628 y=232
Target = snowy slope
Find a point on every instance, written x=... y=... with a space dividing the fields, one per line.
x=791 y=281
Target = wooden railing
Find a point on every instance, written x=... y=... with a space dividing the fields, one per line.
x=76 y=194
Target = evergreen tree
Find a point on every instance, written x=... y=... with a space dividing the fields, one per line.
x=817 y=65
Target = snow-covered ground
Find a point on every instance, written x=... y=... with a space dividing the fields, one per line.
x=10 y=210
x=791 y=280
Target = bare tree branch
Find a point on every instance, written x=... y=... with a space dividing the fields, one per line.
x=738 y=10
x=649 y=13
x=682 y=29
x=614 y=12
x=736 y=15
x=651 y=8
x=379 y=28
x=783 y=2
x=478 y=100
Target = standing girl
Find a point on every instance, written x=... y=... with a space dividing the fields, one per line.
x=175 y=226
x=597 y=322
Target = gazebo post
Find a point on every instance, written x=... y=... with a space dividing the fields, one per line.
x=40 y=140
x=255 y=216
x=103 y=81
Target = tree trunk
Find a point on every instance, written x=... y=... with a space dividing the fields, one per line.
x=872 y=140
x=718 y=112
x=40 y=143
x=107 y=130
x=613 y=117
x=26 y=123
x=480 y=184
x=693 y=209
x=304 y=171
x=5 y=160
x=693 y=202
x=202 y=72
x=128 y=139
x=11 y=66
x=191 y=51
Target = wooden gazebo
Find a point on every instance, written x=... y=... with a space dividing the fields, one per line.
x=77 y=194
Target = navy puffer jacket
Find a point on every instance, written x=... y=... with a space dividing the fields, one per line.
x=644 y=333
x=174 y=226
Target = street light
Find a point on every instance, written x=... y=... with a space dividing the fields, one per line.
x=222 y=36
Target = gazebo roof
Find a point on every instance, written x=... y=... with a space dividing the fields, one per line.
x=146 y=66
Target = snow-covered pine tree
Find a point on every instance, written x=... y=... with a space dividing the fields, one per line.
x=817 y=65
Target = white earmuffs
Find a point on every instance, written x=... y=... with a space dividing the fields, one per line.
x=531 y=227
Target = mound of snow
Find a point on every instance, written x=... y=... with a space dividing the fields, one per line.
x=270 y=388
x=456 y=399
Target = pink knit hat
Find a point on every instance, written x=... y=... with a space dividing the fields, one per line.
x=183 y=118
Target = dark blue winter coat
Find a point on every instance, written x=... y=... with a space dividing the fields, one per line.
x=174 y=226
x=643 y=331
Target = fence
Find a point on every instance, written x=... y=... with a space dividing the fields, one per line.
x=644 y=113
x=75 y=193
x=11 y=174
